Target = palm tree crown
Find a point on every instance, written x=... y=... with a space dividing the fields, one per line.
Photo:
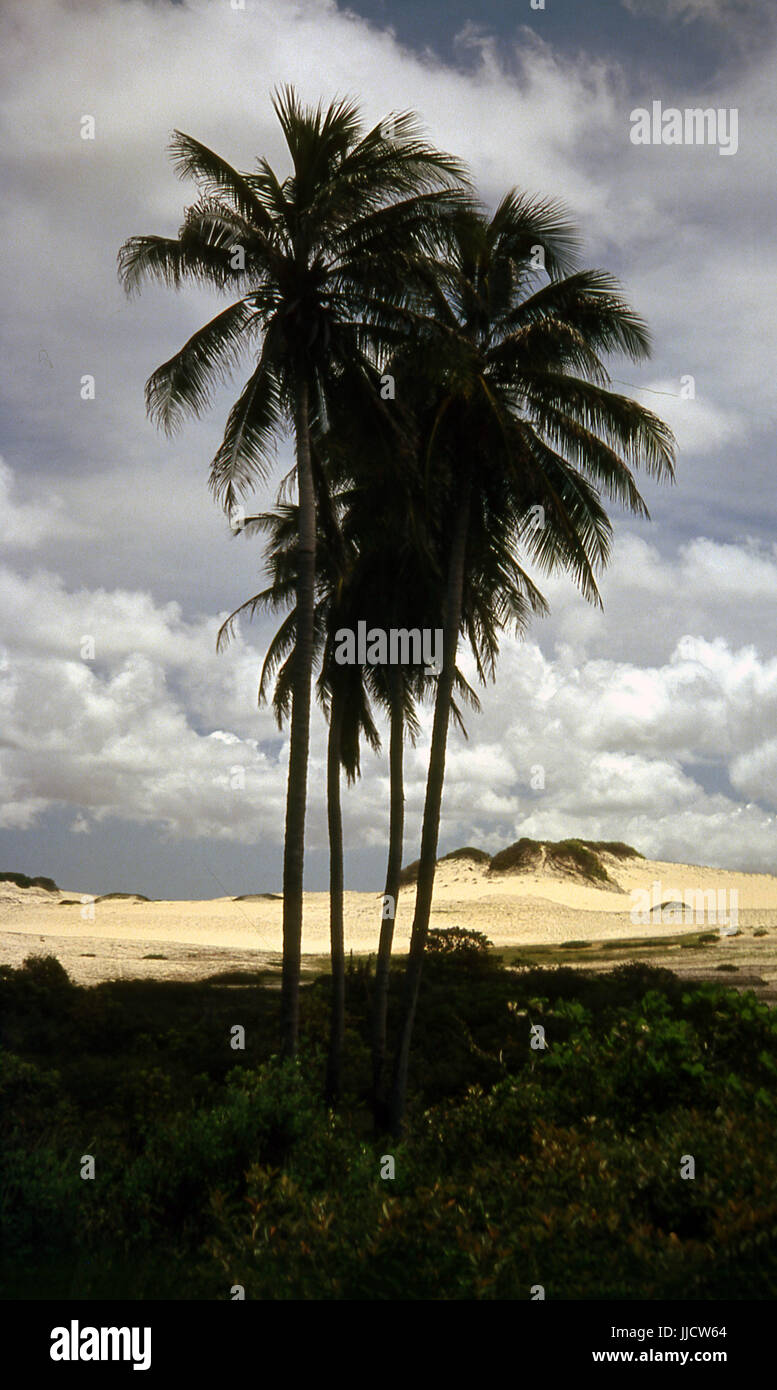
x=520 y=436
x=323 y=261
x=320 y=260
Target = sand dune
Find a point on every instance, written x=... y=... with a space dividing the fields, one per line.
x=539 y=907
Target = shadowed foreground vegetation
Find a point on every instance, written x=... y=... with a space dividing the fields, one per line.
x=216 y=1167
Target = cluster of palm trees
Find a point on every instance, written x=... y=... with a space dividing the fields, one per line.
x=442 y=370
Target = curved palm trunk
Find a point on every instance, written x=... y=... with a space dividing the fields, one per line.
x=334 y=814
x=390 y=898
x=294 y=844
x=432 y=808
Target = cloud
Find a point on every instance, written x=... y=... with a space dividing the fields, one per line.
x=130 y=730
x=610 y=705
x=699 y=426
x=156 y=729
x=733 y=14
x=26 y=525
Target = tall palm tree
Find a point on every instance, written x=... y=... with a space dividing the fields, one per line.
x=379 y=576
x=394 y=583
x=341 y=691
x=320 y=260
x=519 y=416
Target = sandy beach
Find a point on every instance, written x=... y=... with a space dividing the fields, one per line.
x=130 y=937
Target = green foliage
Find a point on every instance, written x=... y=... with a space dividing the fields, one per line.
x=38 y=975
x=524 y=854
x=409 y=874
x=615 y=847
x=519 y=1166
x=459 y=941
x=479 y=856
x=26 y=1090
x=644 y=1062
x=577 y=856
x=566 y=854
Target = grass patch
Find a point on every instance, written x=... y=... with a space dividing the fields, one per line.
x=638 y=947
x=565 y=856
x=467 y=852
x=617 y=848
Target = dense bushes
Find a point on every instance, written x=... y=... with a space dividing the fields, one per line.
x=522 y=1165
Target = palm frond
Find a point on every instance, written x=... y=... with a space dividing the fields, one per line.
x=632 y=430
x=172 y=262
x=591 y=302
x=216 y=176
x=185 y=384
x=245 y=455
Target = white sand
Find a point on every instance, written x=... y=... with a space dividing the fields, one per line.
x=516 y=908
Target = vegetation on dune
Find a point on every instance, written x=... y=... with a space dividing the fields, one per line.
x=409 y=874
x=518 y=1166
x=524 y=854
x=575 y=855
x=614 y=847
x=23 y=881
x=110 y=897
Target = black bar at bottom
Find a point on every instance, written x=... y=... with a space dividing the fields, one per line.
x=221 y=1339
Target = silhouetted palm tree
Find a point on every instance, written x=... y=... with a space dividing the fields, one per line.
x=395 y=583
x=321 y=260
x=519 y=416
x=341 y=691
x=366 y=573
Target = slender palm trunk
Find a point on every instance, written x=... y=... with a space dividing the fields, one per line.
x=294 y=846
x=334 y=814
x=390 y=898
x=432 y=808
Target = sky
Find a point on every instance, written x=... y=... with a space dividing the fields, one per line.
x=132 y=756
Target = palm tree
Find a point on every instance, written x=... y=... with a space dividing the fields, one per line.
x=322 y=260
x=341 y=692
x=380 y=576
x=519 y=416
x=394 y=583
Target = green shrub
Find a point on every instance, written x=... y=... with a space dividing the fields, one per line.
x=467 y=852
x=519 y=1166
x=459 y=941
x=524 y=854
